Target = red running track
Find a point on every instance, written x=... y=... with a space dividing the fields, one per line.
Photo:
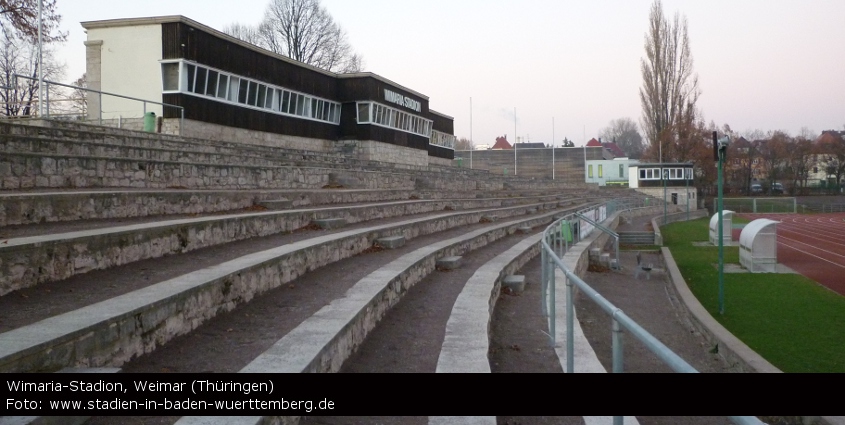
x=813 y=245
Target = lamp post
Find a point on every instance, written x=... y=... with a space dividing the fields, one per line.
x=515 y=139
x=720 y=147
x=665 y=173
x=471 y=147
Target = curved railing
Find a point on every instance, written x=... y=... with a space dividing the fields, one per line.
x=558 y=237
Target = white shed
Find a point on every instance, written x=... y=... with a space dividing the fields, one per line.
x=727 y=223
x=758 y=246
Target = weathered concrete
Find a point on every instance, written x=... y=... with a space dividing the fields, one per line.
x=467 y=341
x=391 y=242
x=448 y=263
x=25 y=262
x=325 y=340
x=330 y=223
x=516 y=283
x=111 y=332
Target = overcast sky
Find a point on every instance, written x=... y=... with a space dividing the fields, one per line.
x=567 y=68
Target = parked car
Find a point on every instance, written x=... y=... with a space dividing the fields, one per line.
x=756 y=189
x=777 y=189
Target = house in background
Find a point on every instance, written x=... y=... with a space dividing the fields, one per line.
x=502 y=143
x=610 y=150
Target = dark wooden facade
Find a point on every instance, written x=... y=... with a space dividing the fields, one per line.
x=180 y=40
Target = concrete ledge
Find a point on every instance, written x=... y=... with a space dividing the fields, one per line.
x=277 y=204
x=516 y=283
x=113 y=331
x=731 y=348
x=326 y=339
x=449 y=263
x=330 y=223
x=391 y=242
x=466 y=344
x=26 y=262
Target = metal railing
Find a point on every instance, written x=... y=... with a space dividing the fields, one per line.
x=99 y=99
x=614 y=264
x=557 y=238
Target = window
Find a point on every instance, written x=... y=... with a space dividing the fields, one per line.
x=190 y=70
x=222 y=86
x=262 y=96
x=234 y=83
x=621 y=170
x=590 y=172
x=242 y=91
x=199 y=80
x=600 y=171
x=253 y=93
x=200 y=84
x=170 y=76
x=285 y=101
x=211 y=87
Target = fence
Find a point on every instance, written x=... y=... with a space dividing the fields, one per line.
x=761 y=205
x=557 y=238
x=83 y=114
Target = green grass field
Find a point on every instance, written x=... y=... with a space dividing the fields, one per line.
x=790 y=320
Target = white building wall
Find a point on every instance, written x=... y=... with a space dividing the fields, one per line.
x=609 y=171
x=133 y=51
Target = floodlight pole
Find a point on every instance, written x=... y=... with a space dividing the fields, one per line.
x=40 y=66
x=721 y=159
x=665 y=174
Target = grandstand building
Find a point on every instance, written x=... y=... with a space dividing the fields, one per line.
x=232 y=90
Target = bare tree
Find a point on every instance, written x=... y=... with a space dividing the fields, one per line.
x=670 y=87
x=18 y=56
x=303 y=30
x=246 y=33
x=626 y=135
x=19 y=19
x=774 y=154
x=463 y=144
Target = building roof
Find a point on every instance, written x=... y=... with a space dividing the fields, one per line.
x=530 y=145
x=502 y=143
x=594 y=143
x=614 y=149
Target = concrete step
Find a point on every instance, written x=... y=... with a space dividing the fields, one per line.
x=145 y=317
x=28 y=261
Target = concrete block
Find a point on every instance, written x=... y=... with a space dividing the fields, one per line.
x=487 y=219
x=595 y=253
x=514 y=282
x=391 y=242
x=449 y=263
x=605 y=259
x=524 y=229
x=330 y=223
x=276 y=204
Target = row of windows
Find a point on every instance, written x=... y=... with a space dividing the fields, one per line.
x=186 y=77
x=442 y=139
x=674 y=173
x=601 y=170
x=385 y=116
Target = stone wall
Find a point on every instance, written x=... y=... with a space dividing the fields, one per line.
x=680 y=191
x=564 y=164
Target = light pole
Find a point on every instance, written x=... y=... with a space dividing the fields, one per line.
x=515 y=139
x=665 y=173
x=471 y=147
x=720 y=147
x=553 y=148
x=40 y=67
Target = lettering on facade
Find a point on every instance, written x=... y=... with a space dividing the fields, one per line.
x=405 y=101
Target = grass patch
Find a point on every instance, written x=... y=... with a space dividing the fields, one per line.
x=790 y=320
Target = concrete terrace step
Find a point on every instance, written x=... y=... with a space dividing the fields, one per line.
x=68 y=205
x=28 y=261
x=113 y=331
x=324 y=341
x=467 y=343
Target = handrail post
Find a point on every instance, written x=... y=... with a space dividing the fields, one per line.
x=618 y=349
x=570 y=328
x=552 y=307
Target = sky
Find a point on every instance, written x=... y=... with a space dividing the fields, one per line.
x=548 y=69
